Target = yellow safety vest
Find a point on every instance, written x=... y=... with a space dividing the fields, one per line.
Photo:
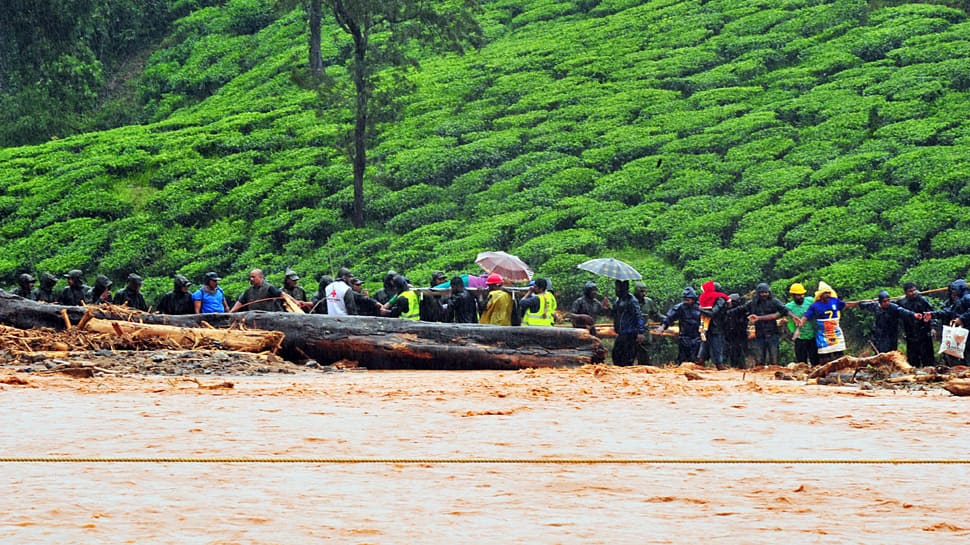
x=544 y=316
x=414 y=310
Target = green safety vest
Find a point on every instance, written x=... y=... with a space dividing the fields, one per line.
x=414 y=310
x=544 y=316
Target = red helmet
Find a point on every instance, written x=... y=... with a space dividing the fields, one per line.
x=494 y=278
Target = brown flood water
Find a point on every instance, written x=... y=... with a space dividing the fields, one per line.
x=592 y=412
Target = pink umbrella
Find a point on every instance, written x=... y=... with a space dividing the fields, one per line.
x=509 y=266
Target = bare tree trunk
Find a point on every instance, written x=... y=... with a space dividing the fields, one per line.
x=360 y=125
x=316 y=57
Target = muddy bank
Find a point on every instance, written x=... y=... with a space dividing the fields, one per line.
x=591 y=412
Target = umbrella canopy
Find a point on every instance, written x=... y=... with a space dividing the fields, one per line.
x=507 y=265
x=611 y=268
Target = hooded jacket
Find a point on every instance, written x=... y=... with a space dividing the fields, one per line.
x=710 y=295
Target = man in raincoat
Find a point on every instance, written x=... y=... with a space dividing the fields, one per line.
x=688 y=316
x=885 y=333
x=649 y=311
x=917 y=333
x=764 y=311
x=628 y=324
x=498 y=308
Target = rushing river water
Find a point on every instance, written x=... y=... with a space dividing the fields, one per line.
x=600 y=413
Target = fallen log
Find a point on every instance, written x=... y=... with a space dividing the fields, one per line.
x=375 y=343
x=893 y=360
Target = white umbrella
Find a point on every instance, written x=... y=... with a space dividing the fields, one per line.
x=507 y=265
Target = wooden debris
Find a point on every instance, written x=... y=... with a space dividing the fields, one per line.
x=894 y=360
x=958 y=387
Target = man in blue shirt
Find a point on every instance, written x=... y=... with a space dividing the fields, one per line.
x=210 y=297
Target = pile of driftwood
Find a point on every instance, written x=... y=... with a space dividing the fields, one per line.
x=91 y=333
x=891 y=368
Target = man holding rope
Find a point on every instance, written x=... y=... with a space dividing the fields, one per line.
x=260 y=295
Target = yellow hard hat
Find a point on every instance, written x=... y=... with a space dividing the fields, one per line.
x=797 y=289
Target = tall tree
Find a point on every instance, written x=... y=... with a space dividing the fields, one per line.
x=384 y=34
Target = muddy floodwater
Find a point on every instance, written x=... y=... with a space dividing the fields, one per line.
x=593 y=413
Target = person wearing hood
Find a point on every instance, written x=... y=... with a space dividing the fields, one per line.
x=432 y=307
x=918 y=334
x=805 y=349
x=687 y=314
x=45 y=292
x=404 y=304
x=825 y=312
x=649 y=311
x=366 y=305
x=179 y=300
x=957 y=302
x=384 y=294
x=713 y=305
x=101 y=293
x=319 y=301
x=736 y=332
x=628 y=324
x=76 y=292
x=885 y=333
x=586 y=310
x=763 y=311
x=25 y=286
x=462 y=305
x=131 y=295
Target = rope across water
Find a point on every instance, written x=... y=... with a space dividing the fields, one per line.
x=434 y=461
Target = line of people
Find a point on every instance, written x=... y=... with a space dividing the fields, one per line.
x=718 y=327
x=713 y=326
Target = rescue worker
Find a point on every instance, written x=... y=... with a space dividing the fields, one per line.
x=404 y=304
x=713 y=305
x=291 y=288
x=76 y=292
x=260 y=295
x=628 y=324
x=586 y=310
x=101 y=292
x=179 y=300
x=806 y=350
x=885 y=333
x=366 y=305
x=132 y=295
x=210 y=297
x=45 y=292
x=384 y=294
x=25 y=287
x=736 y=333
x=764 y=311
x=649 y=311
x=538 y=306
x=688 y=316
x=462 y=306
x=319 y=300
x=340 y=296
x=498 y=308
x=432 y=309
x=957 y=304
x=918 y=334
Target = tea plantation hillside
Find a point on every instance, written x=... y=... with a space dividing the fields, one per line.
x=782 y=140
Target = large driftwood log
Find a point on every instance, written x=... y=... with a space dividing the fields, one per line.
x=893 y=360
x=376 y=343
